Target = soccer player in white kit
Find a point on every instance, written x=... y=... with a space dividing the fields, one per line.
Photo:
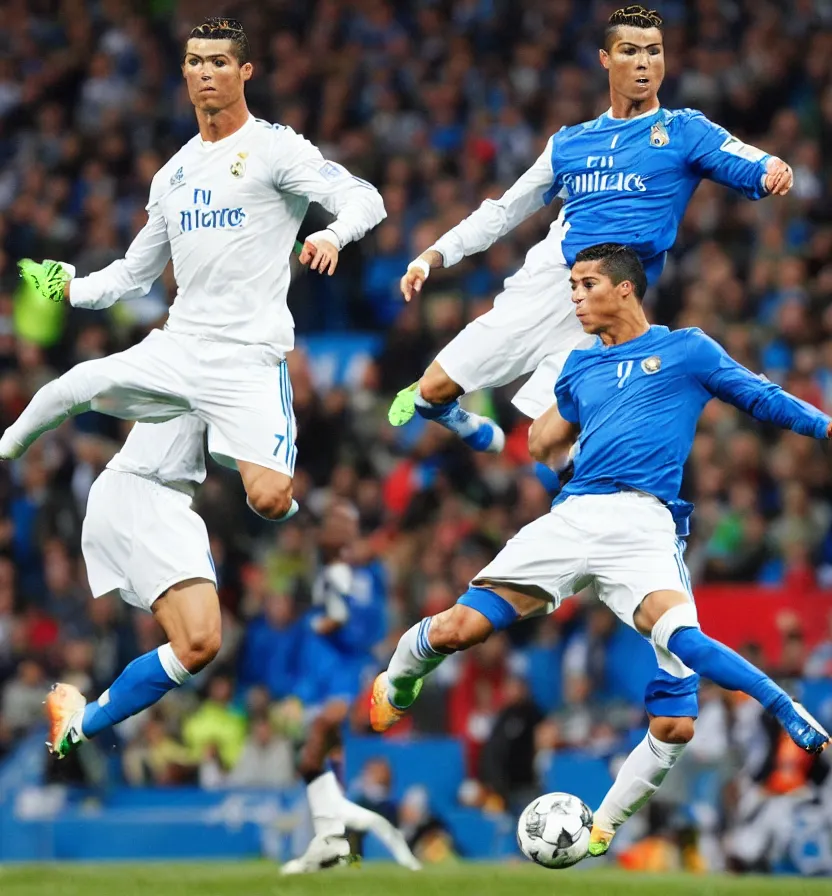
x=142 y=540
x=625 y=177
x=226 y=209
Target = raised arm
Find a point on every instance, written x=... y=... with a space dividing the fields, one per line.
x=299 y=168
x=717 y=155
x=483 y=227
x=726 y=379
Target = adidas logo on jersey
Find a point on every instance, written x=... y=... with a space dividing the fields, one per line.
x=177 y=178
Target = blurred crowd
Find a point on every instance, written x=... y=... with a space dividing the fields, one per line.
x=440 y=104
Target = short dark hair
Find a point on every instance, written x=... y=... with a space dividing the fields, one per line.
x=633 y=17
x=619 y=263
x=221 y=28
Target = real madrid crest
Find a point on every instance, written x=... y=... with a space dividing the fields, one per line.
x=658 y=135
x=653 y=364
x=238 y=167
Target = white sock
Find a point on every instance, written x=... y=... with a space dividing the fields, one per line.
x=413 y=659
x=638 y=779
x=357 y=818
x=325 y=798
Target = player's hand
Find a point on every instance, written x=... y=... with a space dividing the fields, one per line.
x=320 y=252
x=779 y=177
x=417 y=272
x=47 y=279
x=829 y=431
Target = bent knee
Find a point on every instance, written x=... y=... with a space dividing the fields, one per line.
x=437 y=387
x=458 y=628
x=200 y=648
x=672 y=730
x=273 y=498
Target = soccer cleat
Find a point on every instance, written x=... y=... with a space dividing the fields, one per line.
x=806 y=731
x=64 y=707
x=404 y=406
x=383 y=715
x=322 y=853
x=599 y=842
x=489 y=437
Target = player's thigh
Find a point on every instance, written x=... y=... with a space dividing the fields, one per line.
x=250 y=418
x=170 y=544
x=149 y=381
x=542 y=565
x=537 y=394
x=634 y=551
x=107 y=534
x=513 y=337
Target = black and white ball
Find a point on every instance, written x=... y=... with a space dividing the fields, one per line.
x=554 y=830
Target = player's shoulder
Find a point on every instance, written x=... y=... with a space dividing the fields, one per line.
x=686 y=119
x=571 y=131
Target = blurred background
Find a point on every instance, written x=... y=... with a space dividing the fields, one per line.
x=440 y=104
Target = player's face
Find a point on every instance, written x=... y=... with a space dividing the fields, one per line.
x=214 y=77
x=635 y=62
x=598 y=301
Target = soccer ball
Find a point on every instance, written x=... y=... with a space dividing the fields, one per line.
x=554 y=830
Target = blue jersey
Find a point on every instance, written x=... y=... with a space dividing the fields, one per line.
x=629 y=181
x=637 y=405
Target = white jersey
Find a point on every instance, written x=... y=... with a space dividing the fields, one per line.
x=170 y=453
x=497 y=217
x=228 y=214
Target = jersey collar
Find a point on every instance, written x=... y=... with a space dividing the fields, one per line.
x=209 y=146
x=608 y=115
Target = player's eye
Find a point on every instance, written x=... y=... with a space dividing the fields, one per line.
x=219 y=63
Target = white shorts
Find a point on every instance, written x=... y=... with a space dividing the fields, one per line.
x=624 y=544
x=532 y=327
x=242 y=393
x=140 y=538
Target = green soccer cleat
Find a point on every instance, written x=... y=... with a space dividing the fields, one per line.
x=404 y=406
x=599 y=842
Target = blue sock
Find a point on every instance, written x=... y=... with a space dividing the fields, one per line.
x=141 y=684
x=477 y=432
x=728 y=669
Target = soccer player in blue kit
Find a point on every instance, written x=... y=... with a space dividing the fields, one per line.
x=625 y=177
x=635 y=396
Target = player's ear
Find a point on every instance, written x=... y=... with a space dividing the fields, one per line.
x=247 y=71
x=604 y=57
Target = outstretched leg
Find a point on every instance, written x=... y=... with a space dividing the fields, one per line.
x=478 y=613
x=669 y=617
x=189 y=613
x=640 y=777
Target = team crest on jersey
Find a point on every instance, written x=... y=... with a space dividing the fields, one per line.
x=177 y=178
x=238 y=168
x=653 y=364
x=659 y=135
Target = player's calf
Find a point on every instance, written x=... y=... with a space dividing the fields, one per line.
x=478 y=613
x=640 y=777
